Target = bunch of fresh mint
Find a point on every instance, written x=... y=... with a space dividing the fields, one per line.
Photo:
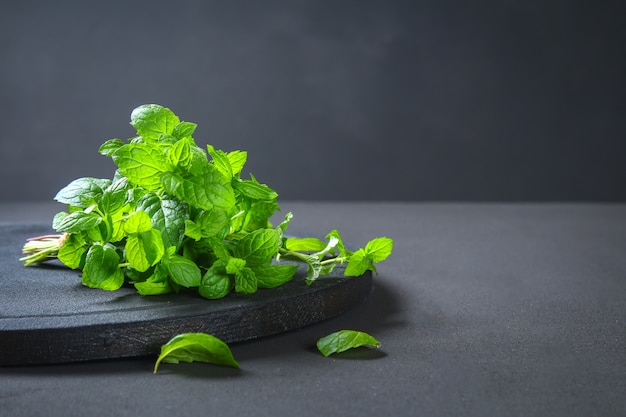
x=176 y=216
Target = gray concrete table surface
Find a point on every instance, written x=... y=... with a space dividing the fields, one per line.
x=482 y=310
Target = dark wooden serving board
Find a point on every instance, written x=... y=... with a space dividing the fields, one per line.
x=47 y=316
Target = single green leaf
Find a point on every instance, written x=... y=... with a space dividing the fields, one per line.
x=138 y=222
x=344 y=340
x=168 y=215
x=152 y=120
x=221 y=161
x=205 y=190
x=183 y=271
x=184 y=130
x=237 y=220
x=219 y=248
x=252 y=189
x=165 y=141
x=377 y=250
x=245 y=281
x=117 y=222
x=216 y=283
x=142 y=164
x=237 y=161
x=193 y=230
x=73 y=251
x=340 y=245
x=282 y=227
x=271 y=276
x=258 y=215
x=212 y=222
x=115 y=196
x=179 y=154
x=153 y=287
x=258 y=247
x=144 y=250
x=110 y=146
x=58 y=218
x=234 y=265
x=156 y=284
x=358 y=264
x=78 y=221
x=82 y=192
x=304 y=244
x=196 y=347
x=102 y=268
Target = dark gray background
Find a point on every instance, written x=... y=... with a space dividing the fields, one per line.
x=368 y=100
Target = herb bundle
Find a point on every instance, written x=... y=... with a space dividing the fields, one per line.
x=176 y=216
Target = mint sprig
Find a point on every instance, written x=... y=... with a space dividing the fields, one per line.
x=175 y=215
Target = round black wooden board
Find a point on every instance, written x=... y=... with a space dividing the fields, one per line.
x=47 y=316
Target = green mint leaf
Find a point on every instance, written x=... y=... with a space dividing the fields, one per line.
x=340 y=246
x=144 y=250
x=116 y=223
x=151 y=121
x=306 y=244
x=78 y=221
x=237 y=161
x=343 y=340
x=142 y=164
x=184 y=130
x=82 y=192
x=358 y=264
x=152 y=287
x=73 y=251
x=156 y=284
x=258 y=247
x=234 y=265
x=216 y=283
x=221 y=162
x=138 y=222
x=193 y=230
x=271 y=276
x=252 y=189
x=205 y=190
x=196 y=347
x=179 y=154
x=210 y=223
x=110 y=146
x=115 y=196
x=377 y=250
x=220 y=249
x=58 y=218
x=102 y=268
x=258 y=215
x=183 y=271
x=245 y=281
x=168 y=215
x=282 y=227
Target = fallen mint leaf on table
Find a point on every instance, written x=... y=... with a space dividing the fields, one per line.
x=196 y=347
x=343 y=340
